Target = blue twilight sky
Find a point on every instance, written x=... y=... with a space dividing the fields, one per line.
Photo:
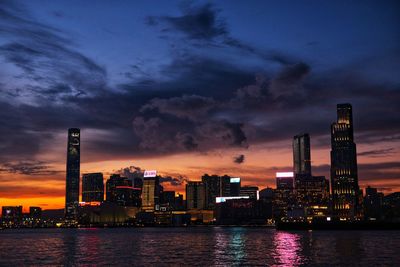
x=329 y=35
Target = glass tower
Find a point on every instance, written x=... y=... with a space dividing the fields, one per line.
x=72 y=179
x=344 y=177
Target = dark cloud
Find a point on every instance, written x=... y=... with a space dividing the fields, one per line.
x=28 y=168
x=239 y=159
x=204 y=27
x=377 y=152
x=197 y=22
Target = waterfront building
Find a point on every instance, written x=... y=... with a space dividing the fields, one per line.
x=92 y=187
x=344 y=175
x=73 y=174
x=195 y=195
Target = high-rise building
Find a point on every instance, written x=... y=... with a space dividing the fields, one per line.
x=344 y=177
x=72 y=178
x=251 y=191
x=92 y=187
x=111 y=186
x=195 y=195
x=284 y=194
x=151 y=193
x=302 y=155
x=212 y=184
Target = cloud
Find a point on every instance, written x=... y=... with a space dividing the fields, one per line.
x=28 y=168
x=239 y=159
x=377 y=152
x=203 y=27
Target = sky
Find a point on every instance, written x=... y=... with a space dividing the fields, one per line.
x=193 y=87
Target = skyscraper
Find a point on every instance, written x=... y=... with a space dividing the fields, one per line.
x=92 y=187
x=72 y=178
x=151 y=193
x=301 y=155
x=195 y=195
x=344 y=177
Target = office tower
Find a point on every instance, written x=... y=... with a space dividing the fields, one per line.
x=111 y=186
x=195 y=195
x=234 y=186
x=312 y=194
x=344 y=178
x=251 y=191
x=151 y=193
x=212 y=184
x=92 y=187
x=225 y=186
x=127 y=196
x=167 y=198
x=301 y=155
x=72 y=178
x=284 y=194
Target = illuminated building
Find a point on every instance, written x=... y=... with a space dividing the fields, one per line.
x=251 y=191
x=344 y=177
x=284 y=194
x=92 y=187
x=151 y=193
x=195 y=195
x=128 y=196
x=242 y=211
x=234 y=186
x=301 y=155
x=11 y=215
x=72 y=178
x=111 y=186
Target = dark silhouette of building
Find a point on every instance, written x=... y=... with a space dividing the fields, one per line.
x=251 y=191
x=217 y=186
x=302 y=155
x=195 y=195
x=212 y=185
x=72 y=178
x=35 y=213
x=344 y=177
x=92 y=187
x=234 y=186
x=373 y=202
x=111 y=186
x=167 y=198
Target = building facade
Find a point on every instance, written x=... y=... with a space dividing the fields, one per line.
x=92 y=187
x=195 y=195
x=344 y=174
x=73 y=174
x=302 y=155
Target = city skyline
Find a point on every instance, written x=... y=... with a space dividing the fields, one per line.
x=212 y=98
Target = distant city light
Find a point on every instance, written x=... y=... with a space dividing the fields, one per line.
x=284 y=174
x=224 y=199
x=152 y=173
x=235 y=180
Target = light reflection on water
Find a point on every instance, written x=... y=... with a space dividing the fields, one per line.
x=200 y=246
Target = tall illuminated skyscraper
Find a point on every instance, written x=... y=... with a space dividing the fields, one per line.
x=72 y=179
x=302 y=155
x=344 y=177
